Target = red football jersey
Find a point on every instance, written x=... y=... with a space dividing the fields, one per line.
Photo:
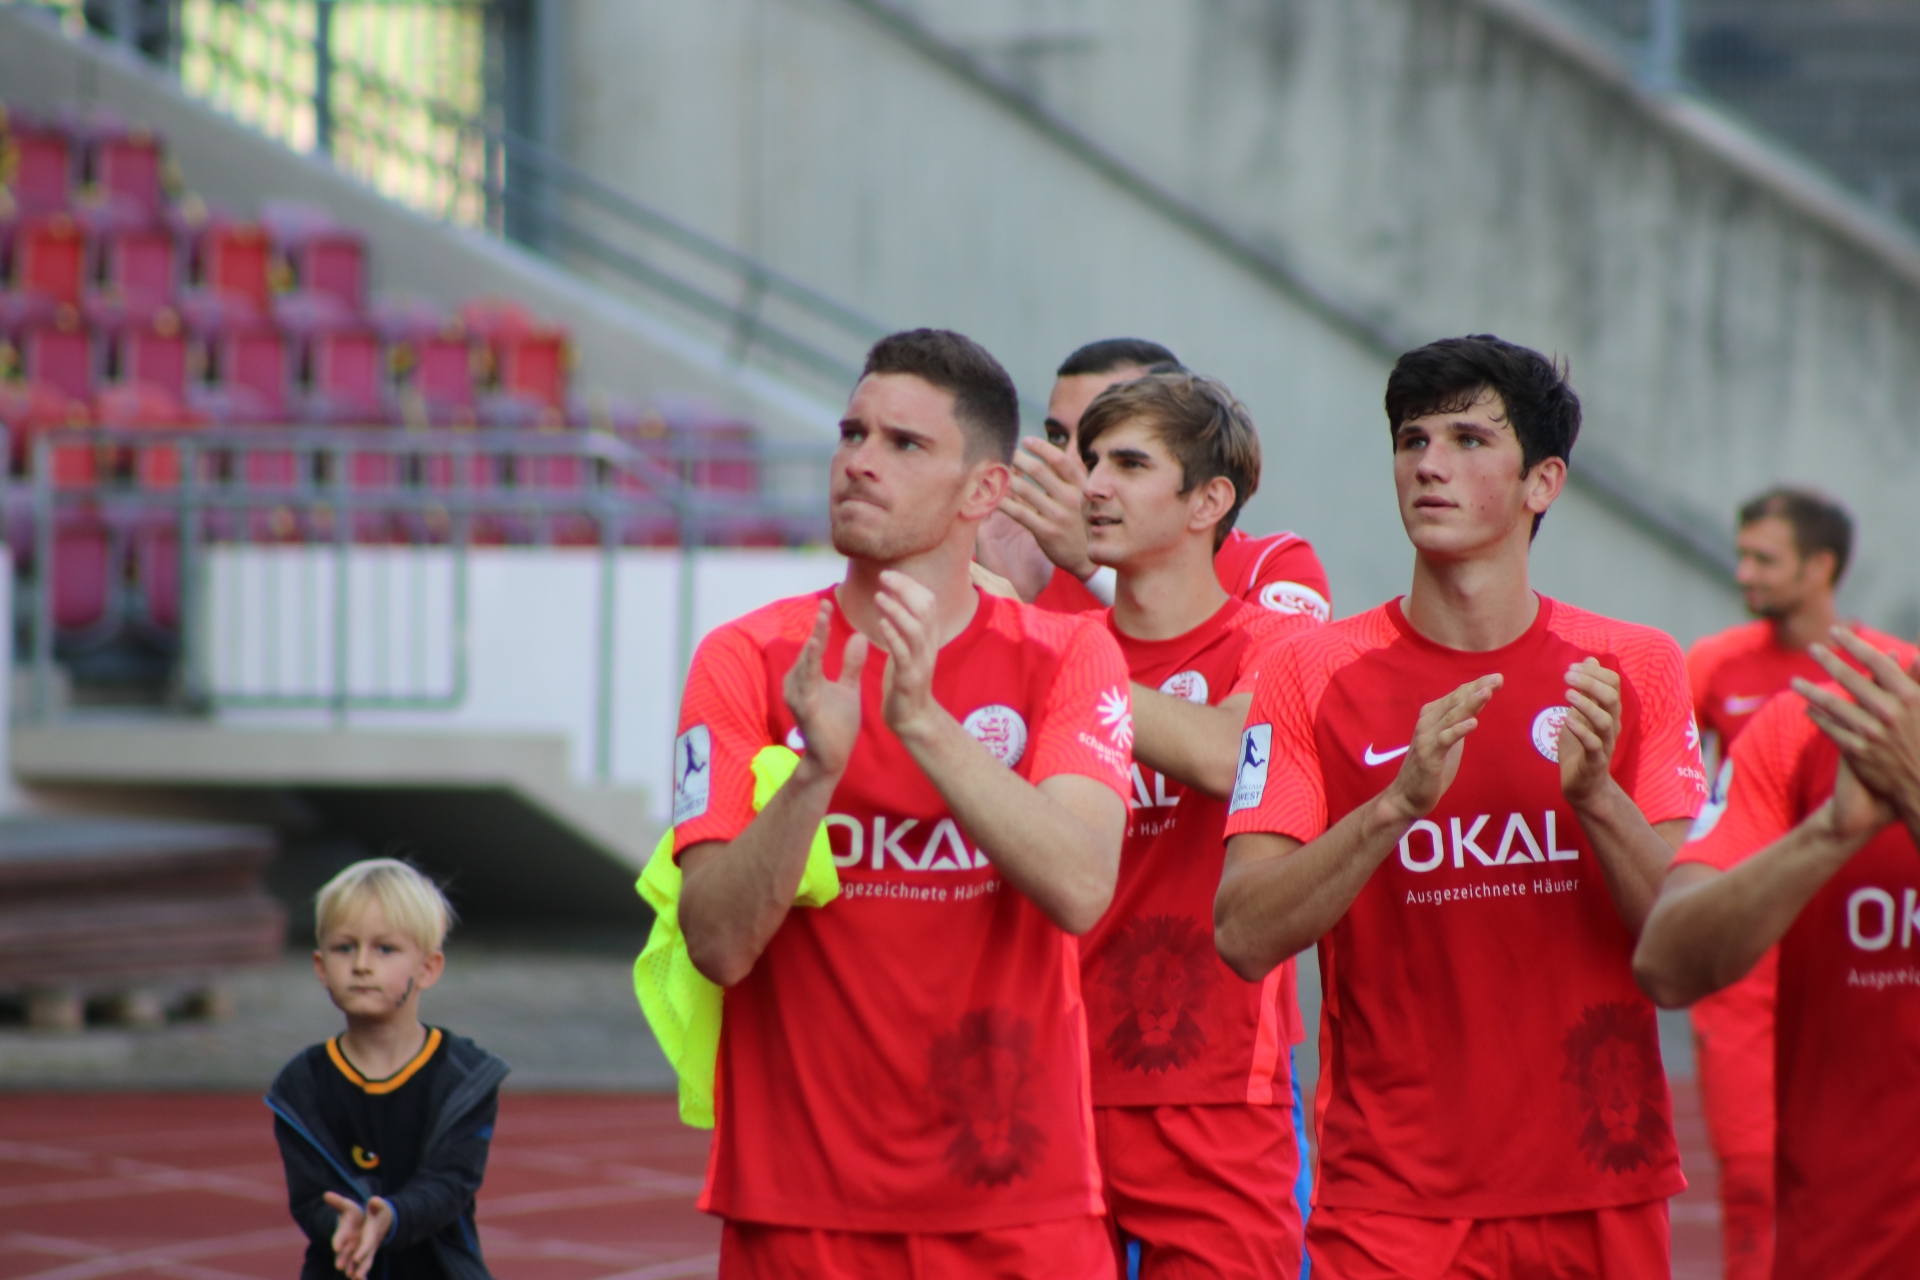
x=1848 y=1014
x=912 y=1056
x=1486 y=1053
x=1734 y=672
x=1169 y=1024
x=1279 y=572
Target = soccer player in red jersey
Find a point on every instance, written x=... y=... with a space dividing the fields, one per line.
x=1468 y=797
x=1814 y=854
x=1793 y=549
x=902 y=1084
x=1038 y=542
x=1192 y=1081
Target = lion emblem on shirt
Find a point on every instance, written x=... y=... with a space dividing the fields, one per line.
x=1615 y=1072
x=1158 y=974
x=981 y=1077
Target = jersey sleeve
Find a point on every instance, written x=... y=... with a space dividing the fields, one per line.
x=1086 y=725
x=1265 y=631
x=1292 y=582
x=723 y=725
x=1756 y=805
x=1065 y=593
x=1278 y=787
x=1670 y=782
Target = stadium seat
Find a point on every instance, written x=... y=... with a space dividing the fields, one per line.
x=346 y=379
x=56 y=390
x=439 y=390
x=124 y=188
x=156 y=567
x=140 y=276
x=49 y=270
x=37 y=160
x=329 y=276
x=234 y=278
x=83 y=580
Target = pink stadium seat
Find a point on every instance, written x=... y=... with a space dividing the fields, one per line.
x=250 y=378
x=141 y=276
x=82 y=575
x=37 y=160
x=57 y=364
x=152 y=360
x=235 y=278
x=441 y=381
x=49 y=270
x=156 y=566
x=329 y=271
x=346 y=379
x=124 y=187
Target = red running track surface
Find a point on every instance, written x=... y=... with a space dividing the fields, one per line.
x=186 y=1186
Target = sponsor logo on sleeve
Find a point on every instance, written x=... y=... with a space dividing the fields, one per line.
x=1190 y=685
x=1000 y=730
x=1250 y=783
x=1546 y=732
x=1116 y=716
x=1293 y=598
x=1716 y=806
x=1737 y=706
x=796 y=741
x=692 y=773
x=1693 y=733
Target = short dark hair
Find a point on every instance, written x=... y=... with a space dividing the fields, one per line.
x=1448 y=375
x=1819 y=522
x=1110 y=354
x=1203 y=426
x=984 y=400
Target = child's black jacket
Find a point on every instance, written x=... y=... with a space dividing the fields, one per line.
x=437 y=1203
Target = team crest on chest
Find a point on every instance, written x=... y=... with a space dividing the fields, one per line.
x=1190 y=685
x=1000 y=730
x=1546 y=732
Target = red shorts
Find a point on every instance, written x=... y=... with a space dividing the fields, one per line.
x=1206 y=1191
x=1733 y=1043
x=1071 y=1249
x=1628 y=1243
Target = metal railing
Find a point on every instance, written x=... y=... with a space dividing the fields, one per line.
x=339 y=491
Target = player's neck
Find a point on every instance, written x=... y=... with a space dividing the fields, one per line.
x=1472 y=604
x=1160 y=596
x=378 y=1047
x=942 y=570
x=1812 y=622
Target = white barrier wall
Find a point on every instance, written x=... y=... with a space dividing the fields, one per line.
x=531 y=637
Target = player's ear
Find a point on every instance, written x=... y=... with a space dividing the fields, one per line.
x=1209 y=503
x=1544 y=483
x=988 y=483
x=432 y=965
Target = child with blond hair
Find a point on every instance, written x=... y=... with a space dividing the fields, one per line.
x=384 y=1128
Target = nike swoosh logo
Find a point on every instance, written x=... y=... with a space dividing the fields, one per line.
x=1373 y=758
x=1746 y=706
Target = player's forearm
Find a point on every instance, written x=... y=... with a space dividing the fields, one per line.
x=1036 y=843
x=1707 y=929
x=1191 y=743
x=1274 y=904
x=1633 y=857
x=734 y=896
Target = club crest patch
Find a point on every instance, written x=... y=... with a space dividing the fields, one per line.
x=1190 y=685
x=1000 y=730
x=1546 y=732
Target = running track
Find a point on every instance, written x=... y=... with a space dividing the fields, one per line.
x=187 y=1186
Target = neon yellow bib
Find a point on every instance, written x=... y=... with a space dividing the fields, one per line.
x=681 y=1005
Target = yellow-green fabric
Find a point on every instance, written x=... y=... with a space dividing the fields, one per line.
x=681 y=1005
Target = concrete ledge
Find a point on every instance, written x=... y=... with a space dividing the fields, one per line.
x=533 y=766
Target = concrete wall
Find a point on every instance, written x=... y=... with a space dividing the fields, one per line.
x=623 y=348
x=1732 y=318
x=1421 y=167
x=874 y=162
